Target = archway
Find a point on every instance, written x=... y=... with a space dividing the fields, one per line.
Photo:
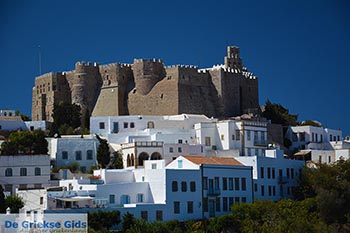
x=143 y=156
x=156 y=156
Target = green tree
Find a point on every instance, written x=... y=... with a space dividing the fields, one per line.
x=65 y=114
x=14 y=202
x=103 y=220
x=279 y=114
x=26 y=142
x=2 y=200
x=128 y=221
x=103 y=153
x=118 y=162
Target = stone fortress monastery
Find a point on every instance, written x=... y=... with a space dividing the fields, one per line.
x=148 y=87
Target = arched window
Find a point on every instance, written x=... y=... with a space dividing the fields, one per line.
x=156 y=156
x=8 y=172
x=132 y=160
x=143 y=156
x=150 y=125
x=128 y=161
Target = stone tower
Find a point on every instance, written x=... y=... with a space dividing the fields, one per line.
x=233 y=60
x=146 y=74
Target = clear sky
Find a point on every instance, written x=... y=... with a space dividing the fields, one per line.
x=299 y=49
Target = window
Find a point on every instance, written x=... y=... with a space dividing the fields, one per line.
x=256 y=135
x=115 y=127
x=102 y=125
x=262 y=173
x=224 y=204
x=171 y=150
x=248 y=135
x=218 y=205
x=190 y=207
x=249 y=151
x=64 y=154
x=255 y=187
x=111 y=199
x=222 y=137
x=244 y=199
x=217 y=184
x=89 y=155
x=273 y=173
x=329 y=159
x=238 y=135
x=159 y=215
x=41 y=200
x=180 y=141
x=233 y=137
x=230 y=201
x=183 y=186
x=150 y=125
x=292 y=173
x=154 y=166
x=193 y=186
x=288 y=172
x=262 y=137
x=294 y=137
x=205 y=204
x=37 y=171
x=176 y=207
x=236 y=183
x=262 y=190
x=124 y=199
x=144 y=215
x=22 y=187
x=8 y=172
x=23 y=171
x=268 y=173
x=330 y=137
x=274 y=190
x=174 y=187
x=140 y=197
x=78 y=155
x=179 y=149
x=205 y=183
x=244 y=184
x=321 y=138
x=338 y=138
x=313 y=137
x=83 y=169
x=132 y=125
x=224 y=183
x=37 y=186
x=270 y=190
x=230 y=183
x=126 y=125
x=207 y=141
x=179 y=163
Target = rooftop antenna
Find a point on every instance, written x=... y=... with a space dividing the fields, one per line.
x=39 y=47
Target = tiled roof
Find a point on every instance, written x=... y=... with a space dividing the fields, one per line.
x=213 y=160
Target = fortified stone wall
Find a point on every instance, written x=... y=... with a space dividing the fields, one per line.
x=148 y=88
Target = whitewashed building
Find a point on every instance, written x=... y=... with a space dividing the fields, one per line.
x=24 y=172
x=312 y=137
x=274 y=177
x=69 y=149
x=248 y=136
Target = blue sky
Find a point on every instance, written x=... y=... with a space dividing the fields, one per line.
x=299 y=49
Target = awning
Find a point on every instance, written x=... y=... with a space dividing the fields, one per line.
x=74 y=198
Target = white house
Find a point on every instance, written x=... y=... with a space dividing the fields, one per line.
x=248 y=136
x=24 y=172
x=69 y=149
x=312 y=137
x=274 y=177
x=207 y=186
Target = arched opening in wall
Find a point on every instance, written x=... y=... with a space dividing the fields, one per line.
x=156 y=156
x=150 y=125
x=128 y=161
x=132 y=160
x=143 y=156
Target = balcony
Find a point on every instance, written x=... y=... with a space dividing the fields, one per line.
x=213 y=192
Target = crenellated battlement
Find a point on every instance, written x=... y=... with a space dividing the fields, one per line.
x=149 y=87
